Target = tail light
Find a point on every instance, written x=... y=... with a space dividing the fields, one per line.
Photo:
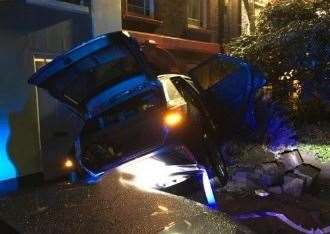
x=173 y=118
x=68 y=164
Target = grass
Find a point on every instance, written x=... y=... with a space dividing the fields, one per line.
x=315 y=139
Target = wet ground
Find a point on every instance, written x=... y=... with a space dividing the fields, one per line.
x=109 y=206
x=112 y=206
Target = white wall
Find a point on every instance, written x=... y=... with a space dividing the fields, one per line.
x=106 y=16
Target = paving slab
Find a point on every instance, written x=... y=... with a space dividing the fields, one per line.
x=290 y=159
x=309 y=172
x=293 y=184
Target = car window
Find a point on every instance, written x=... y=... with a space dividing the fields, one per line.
x=94 y=80
x=133 y=107
x=173 y=96
x=189 y=94
x=213 y=71
x=194 y=103
x=138 y=105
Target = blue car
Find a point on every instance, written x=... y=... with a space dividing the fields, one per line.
x=129 y=112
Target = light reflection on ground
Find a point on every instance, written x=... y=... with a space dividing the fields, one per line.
x=150 y=173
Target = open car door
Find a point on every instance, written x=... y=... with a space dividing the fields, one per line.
x=229 y=86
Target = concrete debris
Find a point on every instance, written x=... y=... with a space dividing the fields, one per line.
x=293 y=184
x=243 y=174
x=275 y=190
x=261 y=193
x=234 y=187
x=290 y=159
x=309 y=172
x=269 y=174
x=289 y=175
x=238 y=187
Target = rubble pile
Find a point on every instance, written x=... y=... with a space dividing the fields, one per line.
x=287 y=174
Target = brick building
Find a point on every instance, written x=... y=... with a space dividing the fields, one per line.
x=185 y=30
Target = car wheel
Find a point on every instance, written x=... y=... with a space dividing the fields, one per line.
x=79 y=161
x=218 y=167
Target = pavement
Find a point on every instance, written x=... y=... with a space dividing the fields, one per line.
x=109 y=206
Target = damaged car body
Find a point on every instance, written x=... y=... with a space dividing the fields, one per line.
x=128 y=112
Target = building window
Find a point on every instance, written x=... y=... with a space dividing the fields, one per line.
x=197 y=13
x=40 y=62
x=77 y=2
x=141 y=7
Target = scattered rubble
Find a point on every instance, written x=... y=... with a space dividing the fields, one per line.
x=243 y=174
x=290 y=159
x=261 y=193
x=293 y=184
x=275 y=190
x=269 y=173
x=288 y=174
x=309 y=172
x=234 y=187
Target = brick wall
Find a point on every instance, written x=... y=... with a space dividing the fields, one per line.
x=171 y=19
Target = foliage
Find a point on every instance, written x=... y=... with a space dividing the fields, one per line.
x=315 y=139
x=292 y=41
x=275 y=130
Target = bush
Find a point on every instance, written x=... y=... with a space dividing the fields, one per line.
x=292 y=42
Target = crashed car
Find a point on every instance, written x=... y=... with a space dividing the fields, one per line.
x=129 y=112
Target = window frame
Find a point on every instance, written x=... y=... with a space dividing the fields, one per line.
x=203 y=21
x=41 y=58
x=144 y=14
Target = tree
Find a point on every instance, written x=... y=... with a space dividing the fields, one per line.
x=291 y=42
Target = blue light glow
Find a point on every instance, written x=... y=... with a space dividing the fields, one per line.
x=92 y=178
x=7 y=168
x=283 y=218
x=208 y=191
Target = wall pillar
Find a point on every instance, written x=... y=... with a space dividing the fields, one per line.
x=106 y=16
